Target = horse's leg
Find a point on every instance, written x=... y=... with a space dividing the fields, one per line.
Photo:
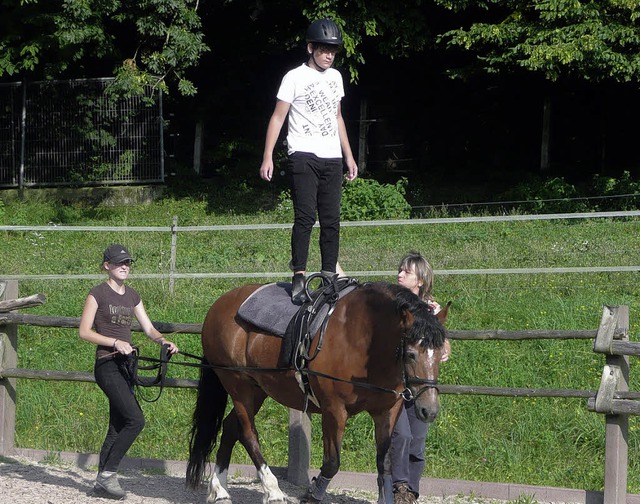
x=333 y=425
x=218 y=490
x=248 y=436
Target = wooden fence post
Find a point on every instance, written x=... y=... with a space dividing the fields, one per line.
x=174 y=240
x=617 y=426
x=299 y=448
x=8 y=359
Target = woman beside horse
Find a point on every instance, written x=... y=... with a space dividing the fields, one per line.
x=410 y=433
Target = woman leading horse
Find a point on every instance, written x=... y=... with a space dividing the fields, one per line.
x=382 y=345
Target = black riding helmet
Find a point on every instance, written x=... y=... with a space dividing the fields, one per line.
x=324 y=31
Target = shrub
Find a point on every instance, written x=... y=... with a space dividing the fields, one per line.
x=362 y=199
x=366 y=199
x=554 y=195
x=284 y=208
x=626 y=188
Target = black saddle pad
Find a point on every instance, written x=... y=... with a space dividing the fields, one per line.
x=270 y=308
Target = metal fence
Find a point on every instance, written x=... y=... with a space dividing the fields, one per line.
x=75 y=132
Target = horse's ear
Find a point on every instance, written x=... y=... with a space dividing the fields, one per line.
x=443 y=313
x=446 y=352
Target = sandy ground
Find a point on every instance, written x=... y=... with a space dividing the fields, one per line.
x=24 y=481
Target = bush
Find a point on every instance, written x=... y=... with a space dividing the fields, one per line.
x=625 y=188
x=554 y=195
x=362 y=199
x=366 y=199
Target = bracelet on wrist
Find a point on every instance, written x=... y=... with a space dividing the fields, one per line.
x=114 y=343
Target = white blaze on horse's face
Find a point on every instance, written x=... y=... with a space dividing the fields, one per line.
x=421 y=373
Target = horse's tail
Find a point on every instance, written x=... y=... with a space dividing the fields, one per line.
x=207 y=421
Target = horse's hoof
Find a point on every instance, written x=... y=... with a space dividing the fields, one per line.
x=309 y=499
x=221 y=500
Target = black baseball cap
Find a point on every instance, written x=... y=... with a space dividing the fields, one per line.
x=116 y=254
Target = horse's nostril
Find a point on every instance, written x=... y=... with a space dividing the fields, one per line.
x=426 y=414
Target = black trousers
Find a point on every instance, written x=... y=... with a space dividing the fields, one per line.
x=316 y=188
x=126 y=419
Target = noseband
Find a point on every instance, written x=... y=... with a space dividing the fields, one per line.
x=407 y=394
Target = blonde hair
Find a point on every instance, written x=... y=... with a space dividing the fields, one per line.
x=423 y=270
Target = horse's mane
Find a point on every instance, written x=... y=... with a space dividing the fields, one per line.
x=426 y=328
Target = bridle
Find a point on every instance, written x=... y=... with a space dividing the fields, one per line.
x=428 y=383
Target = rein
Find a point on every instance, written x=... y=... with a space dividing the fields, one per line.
x=263 y=370
x=161 y=375
x=130 y=366
x=406 y=394
x=299 y=364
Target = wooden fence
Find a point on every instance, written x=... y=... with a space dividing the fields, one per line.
x=613 y=398
x=174 y=229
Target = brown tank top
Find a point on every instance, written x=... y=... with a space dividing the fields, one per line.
x=114 y=315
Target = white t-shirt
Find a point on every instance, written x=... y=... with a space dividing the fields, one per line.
x=313 y=116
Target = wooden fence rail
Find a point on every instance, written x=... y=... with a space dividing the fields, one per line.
x=172 y=275
x=613 y=397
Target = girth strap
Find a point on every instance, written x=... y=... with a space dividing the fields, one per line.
x=322 y=303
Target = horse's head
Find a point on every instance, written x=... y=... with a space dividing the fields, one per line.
x=424 y=347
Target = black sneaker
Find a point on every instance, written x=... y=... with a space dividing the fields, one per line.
x=328 y=277
x=298 y=291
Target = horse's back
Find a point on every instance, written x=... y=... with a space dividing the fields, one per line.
x=221 y=330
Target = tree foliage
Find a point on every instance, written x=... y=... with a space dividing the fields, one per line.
x=396 y=29
x=592 y=40
x=148 y=42
x=155 y=42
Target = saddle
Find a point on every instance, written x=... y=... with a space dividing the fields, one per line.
x=270 y=308
x=312 y=318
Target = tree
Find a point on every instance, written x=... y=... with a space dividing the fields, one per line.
x=591 y=40
x=147 y=42
x=392 y=29
x=153 y=41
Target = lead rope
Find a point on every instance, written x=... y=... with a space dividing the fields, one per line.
x=141 y=381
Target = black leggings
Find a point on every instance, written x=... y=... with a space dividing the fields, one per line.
x=126 y=419
x=316 y=187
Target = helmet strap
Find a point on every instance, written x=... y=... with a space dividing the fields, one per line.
x=312 y=57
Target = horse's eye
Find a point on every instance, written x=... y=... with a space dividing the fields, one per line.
x=411 y=355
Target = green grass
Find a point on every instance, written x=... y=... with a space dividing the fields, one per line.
x=539 y=441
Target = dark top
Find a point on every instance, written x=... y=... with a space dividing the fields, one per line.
x=114 y=314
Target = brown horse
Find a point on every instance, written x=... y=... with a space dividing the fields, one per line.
x=381 y=345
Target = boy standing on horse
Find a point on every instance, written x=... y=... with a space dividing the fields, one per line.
x=317 y=142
